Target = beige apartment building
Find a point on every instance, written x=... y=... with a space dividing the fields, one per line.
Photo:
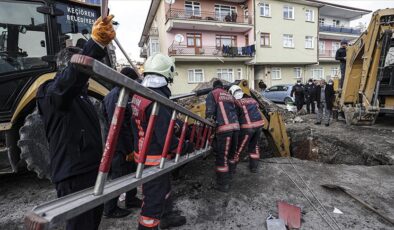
x=206 y=39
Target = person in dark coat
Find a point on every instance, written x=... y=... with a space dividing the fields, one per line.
x=310 y=92
x=220 y=110
x=72 y=124
x=156 y=210
x=262 y=85
x=325 y=97
x=120 y=166
x=298 y=92
x=341 y=56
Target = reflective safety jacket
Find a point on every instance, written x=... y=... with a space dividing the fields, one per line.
x=220 y=106
x=141 y=111
x=249 y=113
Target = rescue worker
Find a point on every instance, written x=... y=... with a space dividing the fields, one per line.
x=341 y=56
x=325 y=96
x=157 y=205
x=72 y=124
x=220 y=109
x=120 y=166
x=298 y=92
x=251 y=122
x=310 y=92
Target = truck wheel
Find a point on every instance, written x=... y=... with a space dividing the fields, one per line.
x=34 y=145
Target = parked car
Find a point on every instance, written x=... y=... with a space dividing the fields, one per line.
x=279 y=93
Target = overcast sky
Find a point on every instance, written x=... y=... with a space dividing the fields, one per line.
x=131 y=15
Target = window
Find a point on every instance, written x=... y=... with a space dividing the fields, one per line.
x=334 y=71
x=276 y=73
x=288 y=40
x=321 y=21
x=336 y=46
x=298 y=72
x=192 y=8
x=154 y=46
x=309 y=42
x=288 y=12
x=265 y=10
x=195 y=75
x=226 y=13
x=335 y=23
x=322 y=46
x=309 y=16
x=265 y=39
x=226 y=74
x=193 y=40
x=22 y=37
x=226 y=40
x=317 y=73
x=239 y=73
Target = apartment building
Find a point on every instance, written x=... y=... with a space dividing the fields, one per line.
x=206 y=39
x=286 y=40
x=334 y=26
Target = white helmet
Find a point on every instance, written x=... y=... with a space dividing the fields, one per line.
x=160 y=64
x=236 y=91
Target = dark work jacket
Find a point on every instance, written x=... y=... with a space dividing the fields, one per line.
x=249 y=115
x=310 y=92
x=125 y=139
x=220 y=105
x=141 y=111
x=71 y=122
x=340 y=55
x=298 y=92
x=329 y=93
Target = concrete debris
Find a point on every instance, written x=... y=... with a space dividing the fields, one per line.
x=298 y=120
x=337 y=211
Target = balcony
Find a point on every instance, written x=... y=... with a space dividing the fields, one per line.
x=338 y=33
x=327 y=55
x=211 y=53
x=207 y=20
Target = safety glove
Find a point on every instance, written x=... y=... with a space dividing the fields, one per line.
x=103 y=32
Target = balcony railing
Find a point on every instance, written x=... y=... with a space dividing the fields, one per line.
x=181 y=50
x=208 y=16
x=334 y=29
x=327 y=53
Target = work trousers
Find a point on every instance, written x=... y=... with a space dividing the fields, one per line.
x=310 y=105
x=343 y=70
x=249 y=140
x=323 y=113
x=299 y=103
x=91 y=219
x=226 y=145
x=120 y=167
x=156 y=201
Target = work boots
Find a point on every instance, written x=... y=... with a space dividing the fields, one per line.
x=253 y=165
x=142 y=227
x=172 y=219
x=223 y=181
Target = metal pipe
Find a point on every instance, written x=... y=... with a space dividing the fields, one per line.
x=112 y=139
x=181 y=140
x=167 y=142
x=126 y=56
x=148 y=136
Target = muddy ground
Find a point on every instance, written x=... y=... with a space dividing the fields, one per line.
x=351 y=157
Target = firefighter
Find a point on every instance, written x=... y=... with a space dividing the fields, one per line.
x=72 y=124
x=157 y=206
x=120 y=166
x=251 y=122
x=298 y=92
x=220 y=109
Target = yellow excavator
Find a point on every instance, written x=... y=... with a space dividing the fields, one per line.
x=274 y=127
x=368 y=88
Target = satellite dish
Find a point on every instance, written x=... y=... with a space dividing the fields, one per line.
x=179 y=38
x=170 y=1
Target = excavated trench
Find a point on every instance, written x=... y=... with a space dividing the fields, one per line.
x=334 y=145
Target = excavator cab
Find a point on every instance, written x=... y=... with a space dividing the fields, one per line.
x=31 y=34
